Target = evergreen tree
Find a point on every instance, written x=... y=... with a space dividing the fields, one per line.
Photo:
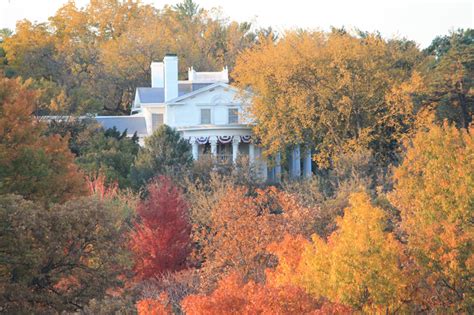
x=165 y=152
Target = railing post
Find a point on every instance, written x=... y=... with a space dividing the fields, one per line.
x=195 y=149
x=213 y=141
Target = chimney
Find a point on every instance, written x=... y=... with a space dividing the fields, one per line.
x=157 y=75
x=171 y=76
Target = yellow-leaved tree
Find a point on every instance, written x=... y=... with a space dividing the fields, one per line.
x=334 y=90
x=434 y=191
x=359 y=265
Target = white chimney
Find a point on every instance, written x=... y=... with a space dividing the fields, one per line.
x=171 y=76
x=157 y=75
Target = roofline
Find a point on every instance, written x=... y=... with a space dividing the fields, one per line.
x=151 y=104
x=115 y=117
x=203 y=89
x=215 y=127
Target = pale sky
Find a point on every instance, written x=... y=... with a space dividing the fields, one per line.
x=418 y=20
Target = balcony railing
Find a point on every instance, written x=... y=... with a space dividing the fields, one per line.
x=219 y=158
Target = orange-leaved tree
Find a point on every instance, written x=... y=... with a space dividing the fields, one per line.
x=161 y=239
x=434 y=191
x=242 y=226
x=158 y=306
x=234 y=296
x=33 y=165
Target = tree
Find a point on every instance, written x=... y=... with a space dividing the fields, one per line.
x=434 y=191
x=242 y=226
x=234 y=296
x=359 y=265
x=32 y=164
x=160 y=241
x=153 y=307
x=188 y=8
x=4 y=34
x=450 y=76
x=96 y=56
x=108 y=152
x=165 y=152
x=58 y=258
x=333 y=91
x=75 y=130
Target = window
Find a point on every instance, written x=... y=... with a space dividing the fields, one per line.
x=233 y=116
x=156 y=120
x=205 y=116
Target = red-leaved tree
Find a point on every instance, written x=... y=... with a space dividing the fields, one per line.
x=161 y=239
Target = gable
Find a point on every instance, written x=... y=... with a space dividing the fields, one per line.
x=218 y=93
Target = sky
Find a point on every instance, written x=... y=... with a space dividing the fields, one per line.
x=418 y=20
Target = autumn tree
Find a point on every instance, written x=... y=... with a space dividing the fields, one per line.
x=57 y=259
x=241 y=227
x=234 y=296
x=154 y=306
x=359 y=265
x=165 y=152
x=334 y=91
x=434 y=191
x=91 y=59
x=32 y=164
x=160 y=240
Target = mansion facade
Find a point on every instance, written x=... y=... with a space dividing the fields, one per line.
x=206 y=111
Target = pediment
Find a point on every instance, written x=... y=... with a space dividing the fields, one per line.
x=217 y=93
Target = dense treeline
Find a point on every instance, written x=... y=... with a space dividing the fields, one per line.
x=339 y=91
x=91 y=59
x=91 y=223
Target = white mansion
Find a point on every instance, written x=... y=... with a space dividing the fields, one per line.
x=206 y=110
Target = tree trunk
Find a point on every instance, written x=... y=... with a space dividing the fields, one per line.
x=464 y=111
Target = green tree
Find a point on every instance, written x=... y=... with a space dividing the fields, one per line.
x=450 y=76
x=165 y=152
x=4 y=34
x=74 y=130
x=188 y=8
x=108 y=152
x=59 y=258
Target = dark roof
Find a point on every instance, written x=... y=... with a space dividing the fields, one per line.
x=157 y=95
x=130 y=123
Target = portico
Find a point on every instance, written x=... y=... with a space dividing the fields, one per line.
x=224 y=148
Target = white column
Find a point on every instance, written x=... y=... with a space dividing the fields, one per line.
x=195 y=149
x=213 y=141
x=307 y=171
x=295 y=162
x=278 y=167
x=251 y=153
x=235 y=148
x=264 y=169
